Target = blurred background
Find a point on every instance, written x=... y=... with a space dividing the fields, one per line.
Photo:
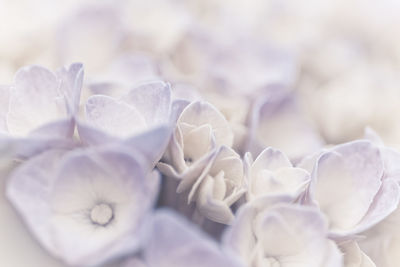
x=297 y=75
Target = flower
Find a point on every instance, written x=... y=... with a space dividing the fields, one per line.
x=276 y=121
x=85 y=206
x=41 y=102
x=200 y=130
x=176 y=242
x=145 y=113
x=220 y=187
x=270 y=231
x=38 y=108
x=273 y=173
x=349 y=185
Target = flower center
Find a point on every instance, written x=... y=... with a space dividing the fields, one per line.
x=101 y=214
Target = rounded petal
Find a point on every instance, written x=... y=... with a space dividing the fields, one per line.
x=153 y=101
x=271 y=159
x=356 y=169
x=34 y=100
x=200 y=113
x=175 y=242
x=114 y=117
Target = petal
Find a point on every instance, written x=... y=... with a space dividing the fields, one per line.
x=270 y=159
x=239 y=238
x=385 y=202
x=210 y=207
x=34 y=101
x=353 y=256
x=200 y=113
x=356 y=168
x=228 y=161
x=191 y=178
x=152 y=101
x=150 y=144
x=90 y=135
x=175 y=242
x=197 y=143
x=72 y=79
x=28 y=190
x=293 y=232
x=4 y=102
x=114 y=117
x=61 y=129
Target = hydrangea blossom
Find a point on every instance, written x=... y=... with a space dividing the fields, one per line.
x=200 y=129
x=38 y=108
x=143 y=117
x=366 y=195
x=272 y=232
x=83 y=205
x=220 y=187
x=273 y=173
x=200 y=158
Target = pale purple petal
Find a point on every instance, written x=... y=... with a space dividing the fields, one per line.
x=175 y=242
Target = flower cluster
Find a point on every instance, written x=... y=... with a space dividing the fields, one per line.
x=211 y=140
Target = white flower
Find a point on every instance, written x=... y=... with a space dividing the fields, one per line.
x=271 y=232
x=220 y=187
x=200 y=130
x=350 y=187
x=85 y=207
x=273 y=173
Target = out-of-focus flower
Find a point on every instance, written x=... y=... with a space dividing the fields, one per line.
x=354 y=256
x=39 y=106
x=365 y=195
x=200 y=130
x=144 y=113
x=85 y=207
x=365 y=96
x=221 y=187
x=42 y=102
x=276 y=122
x=273 y=173
x=125 y=72
x=93 y=35
x=271 y=232
x=175 y=242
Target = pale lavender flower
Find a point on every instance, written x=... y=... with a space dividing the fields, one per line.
x=85 y=206
x=39 y=107
x=270 y=231
x=142 y=117
x=273 y=173
x=350 y=187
